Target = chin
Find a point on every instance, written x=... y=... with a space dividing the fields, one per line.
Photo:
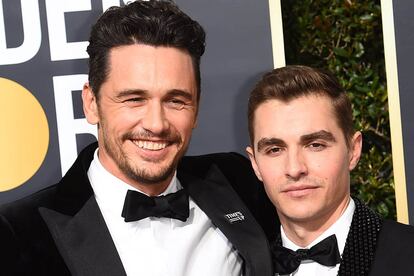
x=302 y=215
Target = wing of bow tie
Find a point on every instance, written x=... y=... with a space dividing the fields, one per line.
x=286 y=261
x=139 y=206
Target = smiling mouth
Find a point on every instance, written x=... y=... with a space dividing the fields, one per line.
x=150 y=145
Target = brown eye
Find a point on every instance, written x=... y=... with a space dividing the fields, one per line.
x=274 y=151
x=176 y=104
x=135 y=100
x=316 y=146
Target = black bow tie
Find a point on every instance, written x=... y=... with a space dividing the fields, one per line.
x=286 y=261
x=138 y=206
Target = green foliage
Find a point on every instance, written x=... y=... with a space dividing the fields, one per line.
x=346 y=38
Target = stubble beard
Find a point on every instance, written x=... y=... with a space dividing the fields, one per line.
x=132 y=170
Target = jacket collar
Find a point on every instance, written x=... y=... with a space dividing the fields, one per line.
x=77 y=225
x=361 y=242
x=84 y=241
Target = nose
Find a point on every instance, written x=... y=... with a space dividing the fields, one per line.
x=155 y=119
x=296 y=165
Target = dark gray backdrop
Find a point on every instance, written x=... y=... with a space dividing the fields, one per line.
x=404 y=42
x=239 y=49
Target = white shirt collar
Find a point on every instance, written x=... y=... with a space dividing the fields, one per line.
x=340 y=228
x=110 y=191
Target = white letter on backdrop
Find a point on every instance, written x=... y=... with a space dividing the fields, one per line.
x=31 y=31
x=109 y=3
x=67 y=125
x=60 y=49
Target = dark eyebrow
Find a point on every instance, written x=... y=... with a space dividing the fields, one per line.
x=322 y=134
x=180 y=93
x=265 y=142
x=272 y=141
x=131 y=92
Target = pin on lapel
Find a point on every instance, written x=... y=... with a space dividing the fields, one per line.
x=234 y=217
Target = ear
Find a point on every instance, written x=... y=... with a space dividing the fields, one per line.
x=90 y=105
x=355 y=150
x=250 y=153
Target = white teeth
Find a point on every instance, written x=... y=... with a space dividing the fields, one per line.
x=149 y=145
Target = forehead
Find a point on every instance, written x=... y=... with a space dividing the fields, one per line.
x=139 y=66
x=300 y=116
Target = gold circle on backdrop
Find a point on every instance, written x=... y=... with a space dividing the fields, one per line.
x=24 y=134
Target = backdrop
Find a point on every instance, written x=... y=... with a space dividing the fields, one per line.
x=43 y=65
x=398 y=25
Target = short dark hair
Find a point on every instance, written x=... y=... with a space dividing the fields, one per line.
x=294 y=81
x=155 y=23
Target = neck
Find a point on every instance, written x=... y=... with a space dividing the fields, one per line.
x=304 y=232
x=152 y=189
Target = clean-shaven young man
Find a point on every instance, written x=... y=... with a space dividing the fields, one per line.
x=303 y=147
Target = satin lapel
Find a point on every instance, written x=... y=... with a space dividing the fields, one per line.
x=84 y=241
x=215 y=196
x=361 y=242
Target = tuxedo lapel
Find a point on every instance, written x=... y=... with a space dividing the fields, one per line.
x=361 y=242
x=77 y=225
x=84 y=241
x=215 y=196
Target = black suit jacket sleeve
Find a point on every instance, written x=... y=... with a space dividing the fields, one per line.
x=24 y=237
x=9 y=252
x=395 y=250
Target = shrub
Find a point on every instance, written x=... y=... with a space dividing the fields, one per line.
x=346 y=38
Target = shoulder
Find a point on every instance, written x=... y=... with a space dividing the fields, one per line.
x=393 y=232
x=25 y=210
x=72 y=184
x=21 y=225
x=235 y=168
x=224 y=160
x=239 y=173
x=395 y=249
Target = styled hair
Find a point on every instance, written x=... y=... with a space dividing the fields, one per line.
x=154 y=23
x=295 y=81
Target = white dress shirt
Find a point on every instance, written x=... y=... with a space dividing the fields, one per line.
x=340 y=228
x=162 y=246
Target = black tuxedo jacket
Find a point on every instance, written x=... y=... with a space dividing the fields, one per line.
x=60 y=230
x=377 y=247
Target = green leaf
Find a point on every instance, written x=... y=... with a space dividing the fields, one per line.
x=341 y=52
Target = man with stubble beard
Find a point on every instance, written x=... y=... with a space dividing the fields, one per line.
x=131 y=204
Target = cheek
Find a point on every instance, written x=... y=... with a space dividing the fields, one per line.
x=334 y=172
x=119 y=117
x=183 y=123
x=329 y=164
x=271 y=174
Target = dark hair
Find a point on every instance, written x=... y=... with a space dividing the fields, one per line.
x=155 y=23
x=291 y=82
